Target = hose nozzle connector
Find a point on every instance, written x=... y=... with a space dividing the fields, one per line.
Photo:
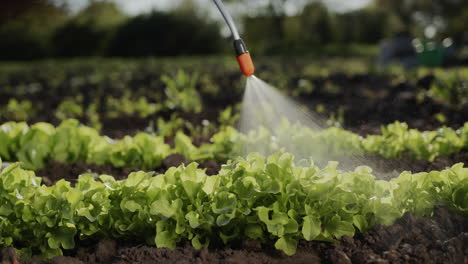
x=243 y=58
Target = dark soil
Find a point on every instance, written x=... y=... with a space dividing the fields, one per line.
x=56 y=171
x=372 y=100
x=412 y=239
x=212 y=167
x=129 y=125
x=383 y=168
x=366 y=100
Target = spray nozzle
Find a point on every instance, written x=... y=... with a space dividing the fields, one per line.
x=243 y=55
x=243 y=58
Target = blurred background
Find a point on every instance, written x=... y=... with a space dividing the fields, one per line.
x=124 y=66
x=168 y=66
x=385 y=29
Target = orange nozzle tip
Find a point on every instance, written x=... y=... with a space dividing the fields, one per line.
x=246 y=64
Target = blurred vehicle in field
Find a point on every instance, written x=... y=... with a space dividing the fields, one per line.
x=409 y=52
x=398 y=49
x=464 y=49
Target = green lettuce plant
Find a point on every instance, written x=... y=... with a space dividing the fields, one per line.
x=269 y=199
x=71 y=142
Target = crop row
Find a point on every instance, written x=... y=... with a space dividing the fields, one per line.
x=179 y=94
x=266 y=199
x=396 y=141
x=87 y=88
x=35 y=145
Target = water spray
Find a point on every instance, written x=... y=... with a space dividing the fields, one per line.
x=264 y=108
x=243 y=56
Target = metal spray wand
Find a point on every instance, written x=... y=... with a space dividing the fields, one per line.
x=243 y=56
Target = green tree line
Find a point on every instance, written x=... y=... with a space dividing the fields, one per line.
x=34 y=29
x=315 y=27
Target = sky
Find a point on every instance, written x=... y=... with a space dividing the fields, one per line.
x=207 y=7
x=134 y=7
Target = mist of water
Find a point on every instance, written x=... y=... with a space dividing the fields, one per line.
x=264 y=107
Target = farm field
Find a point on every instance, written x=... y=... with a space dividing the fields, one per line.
x=140 y=161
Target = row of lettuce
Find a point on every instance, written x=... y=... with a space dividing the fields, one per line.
x=270 y=200
x=71 y=142
x=179 y=95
